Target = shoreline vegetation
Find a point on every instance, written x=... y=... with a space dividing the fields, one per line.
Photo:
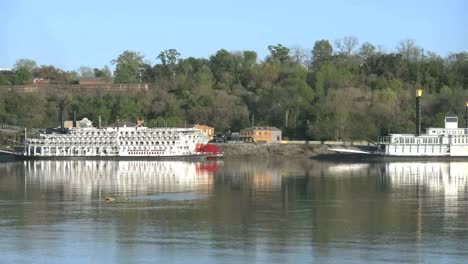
x=346 y=91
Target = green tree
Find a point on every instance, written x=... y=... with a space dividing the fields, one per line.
x=330 y=77
x=3 y=80
x=225 y=68
x=127 y=109
x=56 y=75
x=321 y=53
x=105 y=73
x=27 y=64
x=279 y=53
x=169 y=59
x=367 y=50
x=127 y=67
x=22 y=76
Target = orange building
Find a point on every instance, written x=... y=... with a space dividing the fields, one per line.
x=207 y=131
x=261 y=134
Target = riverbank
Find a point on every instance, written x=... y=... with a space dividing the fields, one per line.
x=268 y=151
x=279 y=150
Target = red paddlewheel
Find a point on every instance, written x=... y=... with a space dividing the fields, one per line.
x=208 y=148
x=210 y=167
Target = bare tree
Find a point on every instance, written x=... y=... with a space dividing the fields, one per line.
x=85 y=71
x=367 y=50
x=301 y=56
x=347 y=45
x=409 y=50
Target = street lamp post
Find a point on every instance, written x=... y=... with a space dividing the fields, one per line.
x=418 y=111
x=466 y=117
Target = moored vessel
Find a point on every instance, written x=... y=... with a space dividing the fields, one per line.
x=449 y=141
x=88 y=142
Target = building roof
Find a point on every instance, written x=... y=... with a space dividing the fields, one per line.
x=199 y=125
x=93 y=80
x=262 y=128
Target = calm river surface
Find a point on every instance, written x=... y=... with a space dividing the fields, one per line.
x=233 y=212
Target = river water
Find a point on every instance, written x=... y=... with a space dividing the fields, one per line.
x=233 y=212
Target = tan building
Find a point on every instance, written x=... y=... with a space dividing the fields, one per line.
x=85 y=122
x=41 y=82
x=69 y=124
x=261 y=135
x=207 y=131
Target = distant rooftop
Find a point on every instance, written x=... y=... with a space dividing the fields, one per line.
x=263 y=128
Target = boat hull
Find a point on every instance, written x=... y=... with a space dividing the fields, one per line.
x=378 y=157
x=15 y=156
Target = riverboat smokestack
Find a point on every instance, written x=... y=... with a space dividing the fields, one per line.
x=74 y=118
x=62 y=119
x=418 y=111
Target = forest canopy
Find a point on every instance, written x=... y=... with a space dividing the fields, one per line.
x=340 y=90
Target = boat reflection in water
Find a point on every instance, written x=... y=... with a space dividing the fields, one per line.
x=245 y=211
x=448 y=178
x=88 y=179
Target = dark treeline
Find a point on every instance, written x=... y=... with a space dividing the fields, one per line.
x=344 y=91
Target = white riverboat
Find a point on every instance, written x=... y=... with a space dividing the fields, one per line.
x=120 y=142
x=448 y=141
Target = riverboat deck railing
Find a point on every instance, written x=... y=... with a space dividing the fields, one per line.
x=384 y=140
x=423 y=140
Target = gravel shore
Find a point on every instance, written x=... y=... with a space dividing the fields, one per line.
x=274 y=150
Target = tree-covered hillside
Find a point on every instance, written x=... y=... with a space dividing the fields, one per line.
x=339 y=91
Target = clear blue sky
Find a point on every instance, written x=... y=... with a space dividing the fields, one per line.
x=69 y=34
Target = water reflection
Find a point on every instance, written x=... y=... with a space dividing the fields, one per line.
x=235 y=211
x=449 y=178
x=89 y=180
